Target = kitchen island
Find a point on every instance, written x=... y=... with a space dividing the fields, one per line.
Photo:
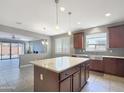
x=61 y=74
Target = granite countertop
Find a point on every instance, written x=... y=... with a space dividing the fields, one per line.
x=120 y=57
x=59 y=64
x=84 y=55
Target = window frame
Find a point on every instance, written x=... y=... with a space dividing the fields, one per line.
x=106 y=45
x=62 y=48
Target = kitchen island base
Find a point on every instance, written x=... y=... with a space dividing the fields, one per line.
x=70 y=80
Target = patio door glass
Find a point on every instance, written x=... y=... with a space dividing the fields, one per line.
x=21 y=49
x=14 y=50
x=5 y=50
x=0 y=51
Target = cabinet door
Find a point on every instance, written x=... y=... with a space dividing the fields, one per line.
x=76 y=82
x=78 y=38
x=83 y=80
x=87 y=71
x=110 y=66
x=36 y=78
x=120 y=67
x=116 y=37
x=97 y=65
x=66 y=85
x=75 y=41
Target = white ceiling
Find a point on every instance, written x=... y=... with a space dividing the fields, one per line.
x=36 y=14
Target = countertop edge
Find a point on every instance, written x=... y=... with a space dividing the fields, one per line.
x=32 y=62
x=104 y=56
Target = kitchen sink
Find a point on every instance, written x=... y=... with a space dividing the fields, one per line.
x=95 y=57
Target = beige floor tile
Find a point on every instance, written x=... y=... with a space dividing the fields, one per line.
x=14 y=79
x=95 y=87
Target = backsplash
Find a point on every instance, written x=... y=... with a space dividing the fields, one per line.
x=111 y=52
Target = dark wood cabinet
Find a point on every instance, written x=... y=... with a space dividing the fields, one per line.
x=97 y=65
x=83 y=75
x=120 y=67
x=75 y=78
x=70 y=80
x=114 y=66
x=76 y=82
x=110 y=66
x=87 y=67
x=66 y=85
x=116 y=37
x=78 y=40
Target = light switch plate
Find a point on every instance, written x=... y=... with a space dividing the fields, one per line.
x=41 y=76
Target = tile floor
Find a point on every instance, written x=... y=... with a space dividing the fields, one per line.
x=99 y=82
x=14 y=79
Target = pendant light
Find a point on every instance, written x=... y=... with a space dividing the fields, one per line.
x=43 y=42
x=57 y=16
x=69 y=22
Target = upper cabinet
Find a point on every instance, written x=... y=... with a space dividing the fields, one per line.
x=78 y=40
x=116 y=36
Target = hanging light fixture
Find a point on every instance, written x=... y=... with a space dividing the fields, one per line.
x=46 y=42
x=43 y=42
x=69 y=13
x=57 y=16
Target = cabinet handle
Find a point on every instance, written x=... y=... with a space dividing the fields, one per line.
x=66 y=74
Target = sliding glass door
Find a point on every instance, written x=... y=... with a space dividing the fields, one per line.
x=5 y=50
x=14 y=50
x=0 y=51
x=21 y=49
x=11 y=50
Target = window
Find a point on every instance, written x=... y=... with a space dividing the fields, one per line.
x=0 y=50
x=62 y=45
x=5 y=50
x=14 y=50
x=96 y=42
x=21 y=49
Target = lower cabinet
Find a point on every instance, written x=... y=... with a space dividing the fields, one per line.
x=83 y=75
x=120 y=66
x=114 y=66
x=110 y=66
x=87 y=67
x=72 y=83
x=70 y=80
x=76 y=82
x=97 y=65
x=66 y=85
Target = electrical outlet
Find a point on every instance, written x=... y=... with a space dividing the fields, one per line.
x=41 y=76
x=110 y=51
x=83 y=50
x=80 y=51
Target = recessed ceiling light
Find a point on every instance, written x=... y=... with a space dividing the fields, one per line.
x=44 y=28
x=108 y=14
x=19 y=23
x=69 y=33
x=78 y=23
x=62 y=9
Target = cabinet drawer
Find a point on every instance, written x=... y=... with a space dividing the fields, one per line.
x=69 y=72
